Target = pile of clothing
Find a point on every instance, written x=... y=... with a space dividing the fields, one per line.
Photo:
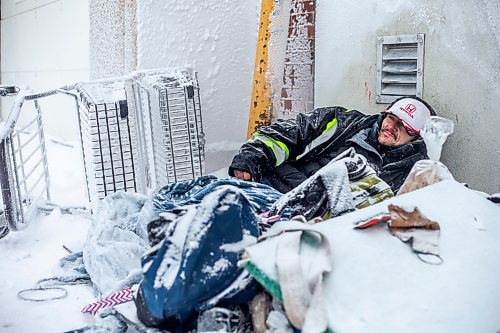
x=184 y=246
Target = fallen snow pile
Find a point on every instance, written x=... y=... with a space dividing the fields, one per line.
x=378 y=284
x=116 y=241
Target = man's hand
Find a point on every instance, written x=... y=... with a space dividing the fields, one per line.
x=243 y=175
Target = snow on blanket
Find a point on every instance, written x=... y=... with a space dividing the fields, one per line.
x=378 y=284
x=116 y=241
x=118 y=236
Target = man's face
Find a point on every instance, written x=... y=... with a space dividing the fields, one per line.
x=392 y=133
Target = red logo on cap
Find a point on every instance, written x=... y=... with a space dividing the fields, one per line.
x=409 y=109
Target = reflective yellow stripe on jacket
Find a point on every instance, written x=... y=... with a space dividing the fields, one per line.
x=327 y=134
x=280 y=150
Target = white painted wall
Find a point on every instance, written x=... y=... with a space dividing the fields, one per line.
x=113 y=38
x=44 y=45
x=218 y=39
x=461 y=69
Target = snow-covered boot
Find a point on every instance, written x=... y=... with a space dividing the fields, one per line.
x=339 y=187
x=219 y=319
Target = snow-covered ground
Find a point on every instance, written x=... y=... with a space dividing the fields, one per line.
x=371 y=265
x=32 y=254
x=377 y=284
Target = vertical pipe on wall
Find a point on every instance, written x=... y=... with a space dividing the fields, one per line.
x=290 y=92
x=260 y=111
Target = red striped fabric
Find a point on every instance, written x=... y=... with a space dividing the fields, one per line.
x=119 y=297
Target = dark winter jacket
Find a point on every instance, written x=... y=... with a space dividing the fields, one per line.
x=287 y=152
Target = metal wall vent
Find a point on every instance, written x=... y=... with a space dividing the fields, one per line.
x=400 y=66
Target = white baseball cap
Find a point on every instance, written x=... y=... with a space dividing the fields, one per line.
x=412 y=113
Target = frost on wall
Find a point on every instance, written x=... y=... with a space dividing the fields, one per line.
x=291 y=57
x=461 y=68
x=113 y=37
x=217 y=39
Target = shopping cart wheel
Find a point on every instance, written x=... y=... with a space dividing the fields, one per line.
x=4 y=229
x=8 y=90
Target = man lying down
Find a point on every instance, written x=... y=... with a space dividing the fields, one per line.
x=318 y=165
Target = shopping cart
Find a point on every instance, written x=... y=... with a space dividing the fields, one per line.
x=138 y=132
x=24 y=177
x=141 y=131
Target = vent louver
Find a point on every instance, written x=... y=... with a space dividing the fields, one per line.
x=399 y=67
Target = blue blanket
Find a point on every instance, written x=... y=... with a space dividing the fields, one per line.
x=193 y=191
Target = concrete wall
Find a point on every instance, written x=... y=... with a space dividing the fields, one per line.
x=44 y=45
x=113 y=37
x=218 y=39
x=461 y=70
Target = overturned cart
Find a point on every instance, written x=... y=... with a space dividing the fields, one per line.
x=24 y=176
x=141 y=132
x=138 y=132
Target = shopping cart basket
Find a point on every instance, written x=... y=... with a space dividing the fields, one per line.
x=24 y=176
x=138 y=132
x=141 y=131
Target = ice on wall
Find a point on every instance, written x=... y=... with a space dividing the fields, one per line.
x=291 y=61
x=218 y=40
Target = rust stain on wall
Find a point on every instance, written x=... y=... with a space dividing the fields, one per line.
x=298 y=78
